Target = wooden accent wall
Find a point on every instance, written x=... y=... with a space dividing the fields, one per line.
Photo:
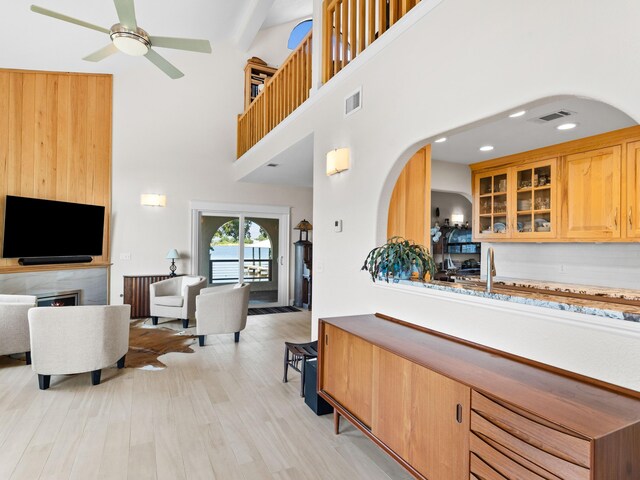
x=136 y=293
x=55 y=143
x=410 y=205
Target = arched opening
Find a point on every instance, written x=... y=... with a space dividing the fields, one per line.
x=235 y=247
x=224 y=254
x=515 y=167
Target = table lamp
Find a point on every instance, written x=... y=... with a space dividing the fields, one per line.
x=173 y=256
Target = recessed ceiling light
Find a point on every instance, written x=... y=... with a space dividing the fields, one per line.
x=441 y=139
x=567 y=126
x=517 y=114
x=486 y=148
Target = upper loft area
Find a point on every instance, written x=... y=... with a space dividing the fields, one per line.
x=347 y=28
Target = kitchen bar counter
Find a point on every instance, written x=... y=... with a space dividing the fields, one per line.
x=621 y=304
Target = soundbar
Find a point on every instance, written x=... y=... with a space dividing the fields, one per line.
x=55 y=260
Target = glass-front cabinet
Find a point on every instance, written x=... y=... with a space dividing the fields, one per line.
x=492 y=202
x=516 y=202
x=534 y=201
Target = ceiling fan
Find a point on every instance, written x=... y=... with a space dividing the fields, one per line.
x=127 y=37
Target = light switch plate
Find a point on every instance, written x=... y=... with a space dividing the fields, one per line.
x=337 y=225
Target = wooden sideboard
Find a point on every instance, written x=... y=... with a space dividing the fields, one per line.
x=448 y=409
x=136 y=293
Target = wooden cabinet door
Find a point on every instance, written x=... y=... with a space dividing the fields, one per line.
x=591 y=200
x=347 y=371
x=632 y=210
x=422 y=416
x=491 y=215
x=533 y=201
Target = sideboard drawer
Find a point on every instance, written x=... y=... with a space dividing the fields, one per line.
x=506 y=462
x=530 y=451
x=482 y=470
x=535 y=431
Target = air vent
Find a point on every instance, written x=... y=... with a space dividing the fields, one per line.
x=353 y=102
x=550 y=117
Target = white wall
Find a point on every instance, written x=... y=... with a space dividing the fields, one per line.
x=462 y=62
x=176 y=137
x=181 y=144
x=270 y=44
x=451 y=177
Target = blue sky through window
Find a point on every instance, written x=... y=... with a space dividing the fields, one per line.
x=298 y=33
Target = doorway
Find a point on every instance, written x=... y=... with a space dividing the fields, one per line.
x=248 y=245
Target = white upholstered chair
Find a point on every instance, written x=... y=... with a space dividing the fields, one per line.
x=222 y=310
x=66 y=340
x=175 y=298
x=14 y=324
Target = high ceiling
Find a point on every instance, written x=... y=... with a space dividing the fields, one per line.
x=31 y=36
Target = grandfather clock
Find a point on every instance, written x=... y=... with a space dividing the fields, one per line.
x=303 y=257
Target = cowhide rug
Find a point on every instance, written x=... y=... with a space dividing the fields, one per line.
x=148 y=342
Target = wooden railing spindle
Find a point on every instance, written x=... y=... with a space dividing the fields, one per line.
x=349 y=27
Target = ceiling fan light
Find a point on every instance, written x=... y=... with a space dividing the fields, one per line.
x=130 y=43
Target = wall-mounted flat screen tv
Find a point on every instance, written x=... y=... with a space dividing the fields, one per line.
x=45 y=228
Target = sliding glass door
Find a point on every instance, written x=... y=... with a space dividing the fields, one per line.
x=235 y=247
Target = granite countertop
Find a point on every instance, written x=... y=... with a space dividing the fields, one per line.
x=616 y=303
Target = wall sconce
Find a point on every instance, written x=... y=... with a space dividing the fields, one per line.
x=337 y=161
x=457 y=218
x=173 y=256
x=153 y=200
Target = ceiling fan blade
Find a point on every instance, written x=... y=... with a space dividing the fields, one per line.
x=126 y=13
x=190 y=44
x=163 y=64
x=65 y=18
x=102 y=53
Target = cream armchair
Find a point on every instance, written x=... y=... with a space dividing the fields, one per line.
x=14 y=324
x=175 y=298
x=66 y=340
x=222 y=310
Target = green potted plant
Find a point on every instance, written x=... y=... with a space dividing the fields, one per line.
x=399 y=258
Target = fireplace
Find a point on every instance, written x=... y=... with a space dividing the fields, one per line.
x=59 y=299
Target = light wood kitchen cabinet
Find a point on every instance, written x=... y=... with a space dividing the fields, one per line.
x=434 y=413
x=632 y=210
x=533 y=197
x=350 y=359
x=491 y=218
x=587 y=190
x=591 y=194
x=448 y=409
x=516 y=202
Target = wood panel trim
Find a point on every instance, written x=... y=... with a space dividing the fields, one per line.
x=409 y=214
x=595 y=142
x=57 y=132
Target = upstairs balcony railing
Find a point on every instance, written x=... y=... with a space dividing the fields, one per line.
x=349 y=26
x=282 y=94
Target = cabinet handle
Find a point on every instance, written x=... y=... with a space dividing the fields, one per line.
x=326 y=339
x=615 y=218
x=459 y=413
x=630 y=218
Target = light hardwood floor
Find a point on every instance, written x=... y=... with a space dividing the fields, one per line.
x=220 y=413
